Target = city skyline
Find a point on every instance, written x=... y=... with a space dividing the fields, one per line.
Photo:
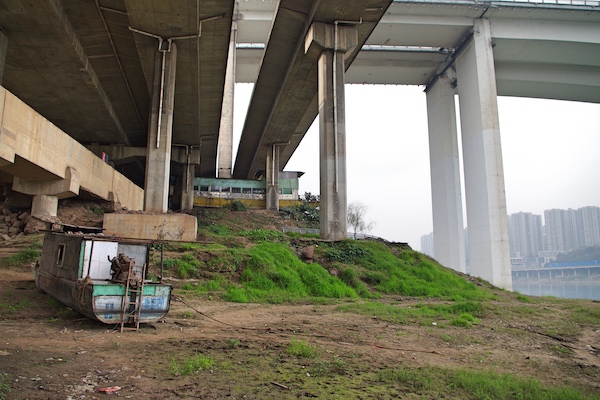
x=533 y=243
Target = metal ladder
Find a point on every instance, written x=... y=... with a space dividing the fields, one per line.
x=132 y=300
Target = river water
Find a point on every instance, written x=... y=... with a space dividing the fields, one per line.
x=589 y=290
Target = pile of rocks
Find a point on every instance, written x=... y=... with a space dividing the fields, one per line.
x=12 y=223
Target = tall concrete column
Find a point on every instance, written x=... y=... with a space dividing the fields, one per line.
x=225 y=155
x=448 y=237
x=3 y=50
x=329 y=44
x=158 y=158
x=489 y=253
x=272 y=184
x=187 y=186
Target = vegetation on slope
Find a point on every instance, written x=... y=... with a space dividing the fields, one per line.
x=244 y=257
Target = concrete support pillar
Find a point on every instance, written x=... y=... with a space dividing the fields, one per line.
x=44 y=206
x=329 y=44
x=187 y=187
x=272 y=168
x=487 y=220
x=225 y=155
x=158 y=158
x=3 y=49
x=448 y=236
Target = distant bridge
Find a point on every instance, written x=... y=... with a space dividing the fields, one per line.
x=579 y=272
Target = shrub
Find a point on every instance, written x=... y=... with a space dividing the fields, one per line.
x=236 y=205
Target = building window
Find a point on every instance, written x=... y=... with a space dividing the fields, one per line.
x=60 y=254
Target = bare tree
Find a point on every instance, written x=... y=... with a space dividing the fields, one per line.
x=356 y=218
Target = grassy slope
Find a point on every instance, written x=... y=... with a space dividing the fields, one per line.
x=244 y=257
x=241 y=261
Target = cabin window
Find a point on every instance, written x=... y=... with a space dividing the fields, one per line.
x=60 y=254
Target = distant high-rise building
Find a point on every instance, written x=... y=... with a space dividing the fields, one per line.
x=570 y=229
x=555 y=222
x=590 y=217
x=525 y=234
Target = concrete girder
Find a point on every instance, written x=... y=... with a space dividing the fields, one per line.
x=61 y=188
x=225 y=155
x=181 y=154
x=33 y=148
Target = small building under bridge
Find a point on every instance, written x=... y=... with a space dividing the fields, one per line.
x=217 y=192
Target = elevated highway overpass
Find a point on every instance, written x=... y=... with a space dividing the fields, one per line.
x=139 y=77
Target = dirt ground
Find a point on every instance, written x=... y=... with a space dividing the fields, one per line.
x=50 y=352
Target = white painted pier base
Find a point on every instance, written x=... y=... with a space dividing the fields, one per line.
x=448 y=233
x=489 y=254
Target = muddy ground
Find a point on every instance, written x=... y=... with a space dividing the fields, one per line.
x=50 y=352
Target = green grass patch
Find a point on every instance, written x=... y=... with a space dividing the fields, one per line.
x=463 y=320
x=347 y=251
x=302 y=349
x=410 y=273
x=228 y=260
x=264 y=235
x=192 y=365
x=25 y=256
x=459 y=314
x=274 y=274
x=562 y=350
x=7 y=308
x=213 y=285
x=219 y=230
x=4 y=386
x=185 y=267
x=437 y=382
x=523 y=298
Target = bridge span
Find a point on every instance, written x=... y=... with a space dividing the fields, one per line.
x=143 y=78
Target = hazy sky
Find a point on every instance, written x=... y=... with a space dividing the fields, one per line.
x=551 y=154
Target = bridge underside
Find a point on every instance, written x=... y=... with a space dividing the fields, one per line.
x=142 y=73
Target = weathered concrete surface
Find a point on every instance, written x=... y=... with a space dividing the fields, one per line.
x=180 y=227
x=40 y=156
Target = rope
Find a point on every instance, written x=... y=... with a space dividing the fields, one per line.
x=313 y=335
x=216 y=320
x=83 y=284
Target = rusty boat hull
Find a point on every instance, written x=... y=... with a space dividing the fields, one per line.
x=75 y=269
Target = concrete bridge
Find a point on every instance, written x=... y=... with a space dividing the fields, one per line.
x=151 y=84
x=579 y=272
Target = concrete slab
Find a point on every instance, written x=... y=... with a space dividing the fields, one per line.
x=179 y=227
